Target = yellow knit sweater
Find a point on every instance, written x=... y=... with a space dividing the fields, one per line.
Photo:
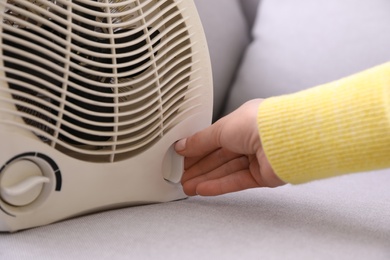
x=333 y=129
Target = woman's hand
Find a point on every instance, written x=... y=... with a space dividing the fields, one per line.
x=227 y=156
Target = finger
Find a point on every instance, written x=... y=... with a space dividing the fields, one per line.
x=234 y=182
x=237 y=164
x=201 y=143
x=211 y=162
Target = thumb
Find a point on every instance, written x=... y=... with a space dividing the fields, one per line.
x=180 y=145
x=201 y=143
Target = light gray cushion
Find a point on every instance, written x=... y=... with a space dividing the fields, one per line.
x=227 y=34
x=250 y=10
x=342 y=218
x=302 y=43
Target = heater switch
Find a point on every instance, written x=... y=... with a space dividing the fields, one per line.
x=173 y=166
x=21 y=183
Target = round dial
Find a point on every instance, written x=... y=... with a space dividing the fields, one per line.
x=21 y=183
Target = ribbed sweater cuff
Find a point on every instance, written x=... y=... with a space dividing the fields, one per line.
x=333 y=129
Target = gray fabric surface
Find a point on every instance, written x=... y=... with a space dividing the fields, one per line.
x=303 y=43
x=228 y=35
x=341 y=218
x=250 y=10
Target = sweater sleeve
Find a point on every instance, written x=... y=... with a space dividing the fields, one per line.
x=333 y=129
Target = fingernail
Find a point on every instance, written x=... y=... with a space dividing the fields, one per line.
x=180 y=145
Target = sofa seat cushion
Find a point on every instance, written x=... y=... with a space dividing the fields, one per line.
x=342 y=218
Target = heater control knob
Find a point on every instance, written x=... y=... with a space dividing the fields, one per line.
x=21 y=183
x=173 y=166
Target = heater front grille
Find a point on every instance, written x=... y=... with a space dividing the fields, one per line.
x=99 y=80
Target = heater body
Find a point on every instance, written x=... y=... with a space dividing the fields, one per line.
x=93 y=95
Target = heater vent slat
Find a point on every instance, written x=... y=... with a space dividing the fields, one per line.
x=99 y=80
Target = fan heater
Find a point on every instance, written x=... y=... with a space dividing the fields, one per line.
x=93 y=95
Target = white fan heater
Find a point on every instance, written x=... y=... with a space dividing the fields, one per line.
x=93 y=95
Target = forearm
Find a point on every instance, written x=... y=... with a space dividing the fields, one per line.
x=333 y=129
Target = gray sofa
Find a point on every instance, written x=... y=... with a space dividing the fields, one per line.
x=293 y=45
